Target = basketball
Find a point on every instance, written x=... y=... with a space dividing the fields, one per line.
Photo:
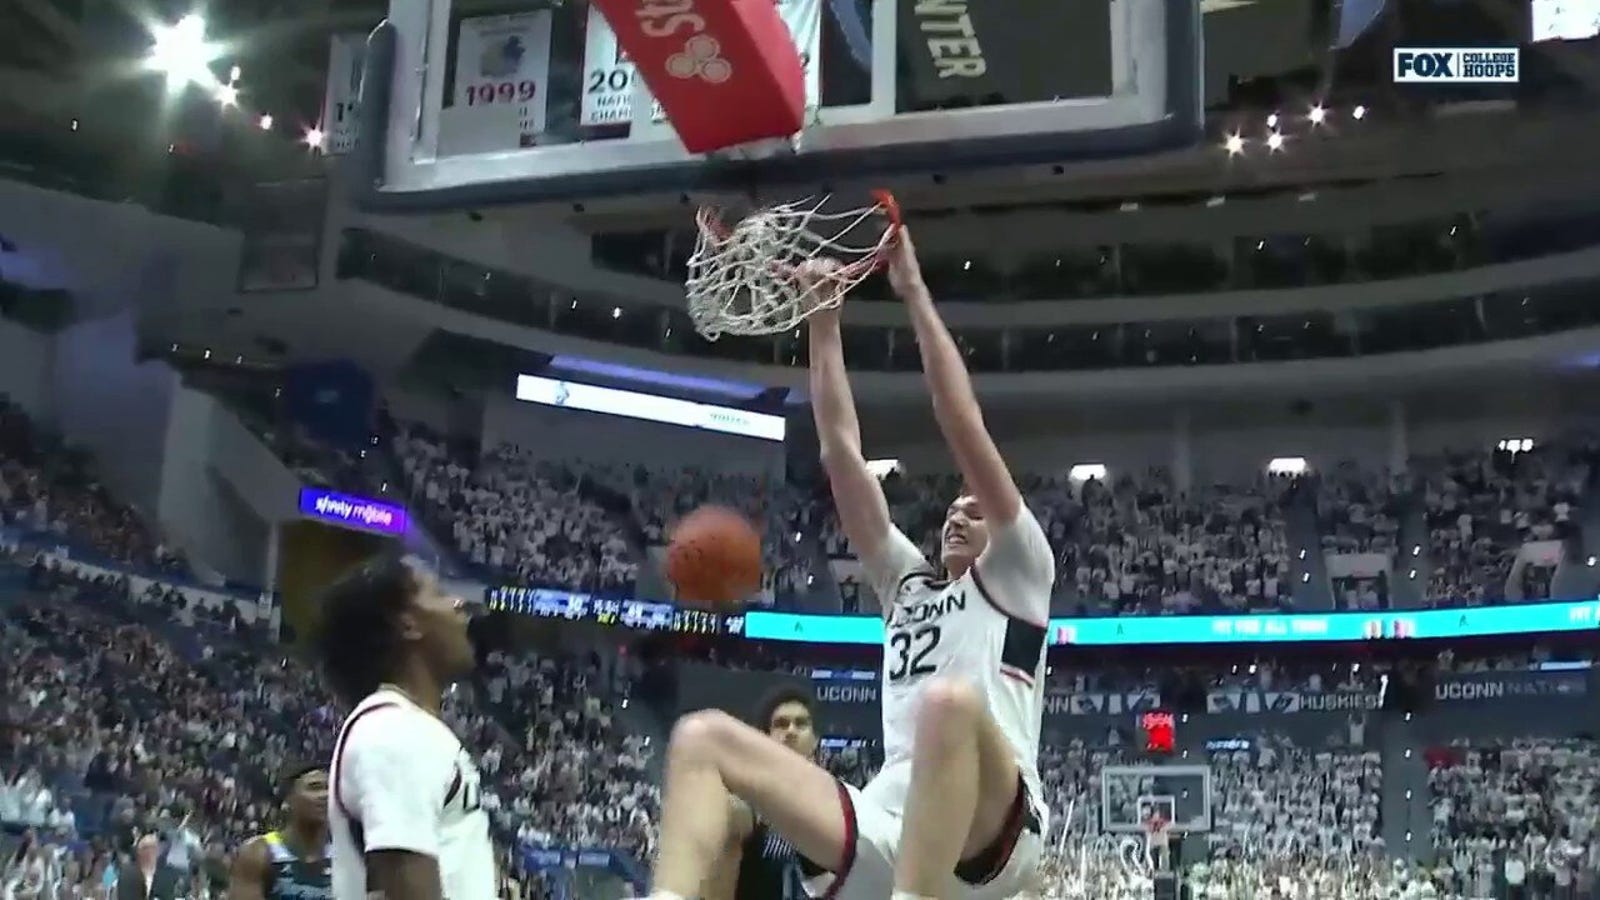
x=714 y=557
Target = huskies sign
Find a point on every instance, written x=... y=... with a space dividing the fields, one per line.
x=1243 y=701
x=1064 y=703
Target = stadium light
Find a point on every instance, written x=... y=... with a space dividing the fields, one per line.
x=227 y=95
x=182 y=53
x=1317 y=115
x=1287 y=465
x=1359 y=113
x=1275 y=141
x=314 y=138
x=1234 y=144
x=1086 y=471
x=883 y=468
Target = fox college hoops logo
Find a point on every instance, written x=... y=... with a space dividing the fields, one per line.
x=701 y=58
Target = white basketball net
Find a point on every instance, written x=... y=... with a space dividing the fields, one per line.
x=746 y=280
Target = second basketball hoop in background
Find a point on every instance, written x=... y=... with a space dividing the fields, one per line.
x=745 y=278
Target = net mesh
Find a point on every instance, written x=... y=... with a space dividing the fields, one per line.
x=746 y=280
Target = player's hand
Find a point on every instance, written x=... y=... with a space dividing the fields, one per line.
x=816 y=275
x=905 y=271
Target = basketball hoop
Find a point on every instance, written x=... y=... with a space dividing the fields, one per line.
x=746 y=279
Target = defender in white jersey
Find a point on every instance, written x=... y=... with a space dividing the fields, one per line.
x=957 y=810
x=404 y=813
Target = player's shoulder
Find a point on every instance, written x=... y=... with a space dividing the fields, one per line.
x=253 y=857
x=387 y=719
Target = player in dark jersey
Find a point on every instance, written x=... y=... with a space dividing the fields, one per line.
x=292 y=863
x=758 y=864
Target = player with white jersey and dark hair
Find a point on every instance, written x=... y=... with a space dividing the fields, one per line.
x=404 y=813
x=957 y=810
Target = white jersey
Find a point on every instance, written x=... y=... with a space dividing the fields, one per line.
x=988 y=627
x=401 y=780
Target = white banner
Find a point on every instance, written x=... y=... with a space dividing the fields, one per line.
x=608 y=75
x=501 y=81
x=346 y=54
x=1357 y=565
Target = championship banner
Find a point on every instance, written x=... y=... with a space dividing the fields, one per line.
x=1283 y=702
x=282 y=226
x=1490 y=686
x=502 y=78
x=608 y=74
x=1001 y=52
x=346 y=55
x=1066 y=703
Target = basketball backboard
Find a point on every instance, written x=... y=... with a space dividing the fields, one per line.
x=1130 y=795
x=540 y=105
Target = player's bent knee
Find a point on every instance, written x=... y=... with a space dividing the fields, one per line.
x=947 y=701
x=699 y=732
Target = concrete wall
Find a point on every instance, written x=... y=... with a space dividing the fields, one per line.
x=27 y=361
x=115 y=406
x=221 y=489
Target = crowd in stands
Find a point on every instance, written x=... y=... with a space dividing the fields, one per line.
x=516 y=516
x=46 y=486
x=1482 y=508
x=778 y=509
x=1524 y=815
x=115 y=729
x=1131 y=543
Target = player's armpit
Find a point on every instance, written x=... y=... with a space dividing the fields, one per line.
x=403 y=875
x=894 y=564
x=1017 y=570
x=247 y=877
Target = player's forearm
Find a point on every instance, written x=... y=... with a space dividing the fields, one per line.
x=832 y=405
x=943 y=369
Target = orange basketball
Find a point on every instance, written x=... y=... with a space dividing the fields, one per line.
x=714 y=557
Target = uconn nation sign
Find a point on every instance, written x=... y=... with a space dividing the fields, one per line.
x=1513 y=686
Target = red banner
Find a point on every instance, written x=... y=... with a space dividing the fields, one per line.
x=726 y=72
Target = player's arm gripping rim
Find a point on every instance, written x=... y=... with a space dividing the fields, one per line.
x=955 y=405
x=857 y=496
x=247 y=877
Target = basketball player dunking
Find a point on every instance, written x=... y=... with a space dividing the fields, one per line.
x=757 y=863
x=404 y=808
x=293 y=862
x=956 y=810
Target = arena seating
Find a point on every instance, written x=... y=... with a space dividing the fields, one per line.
x=1132 y=546
x=46 y=486
x=1527 y=805
x=524 y=519
x=199 y=741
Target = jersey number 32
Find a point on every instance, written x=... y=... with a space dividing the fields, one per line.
x=909 y=651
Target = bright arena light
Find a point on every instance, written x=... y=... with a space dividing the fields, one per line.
x=265 y=123
x=1318 y=115
x=182 y=53
x=227 y=95
x=1359 y=112
x=314 y=138
x=1234 y=145
x=1275 y=141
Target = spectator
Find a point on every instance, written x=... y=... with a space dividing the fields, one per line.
x=147 y=877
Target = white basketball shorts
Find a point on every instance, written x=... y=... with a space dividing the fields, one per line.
x=872 y=830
